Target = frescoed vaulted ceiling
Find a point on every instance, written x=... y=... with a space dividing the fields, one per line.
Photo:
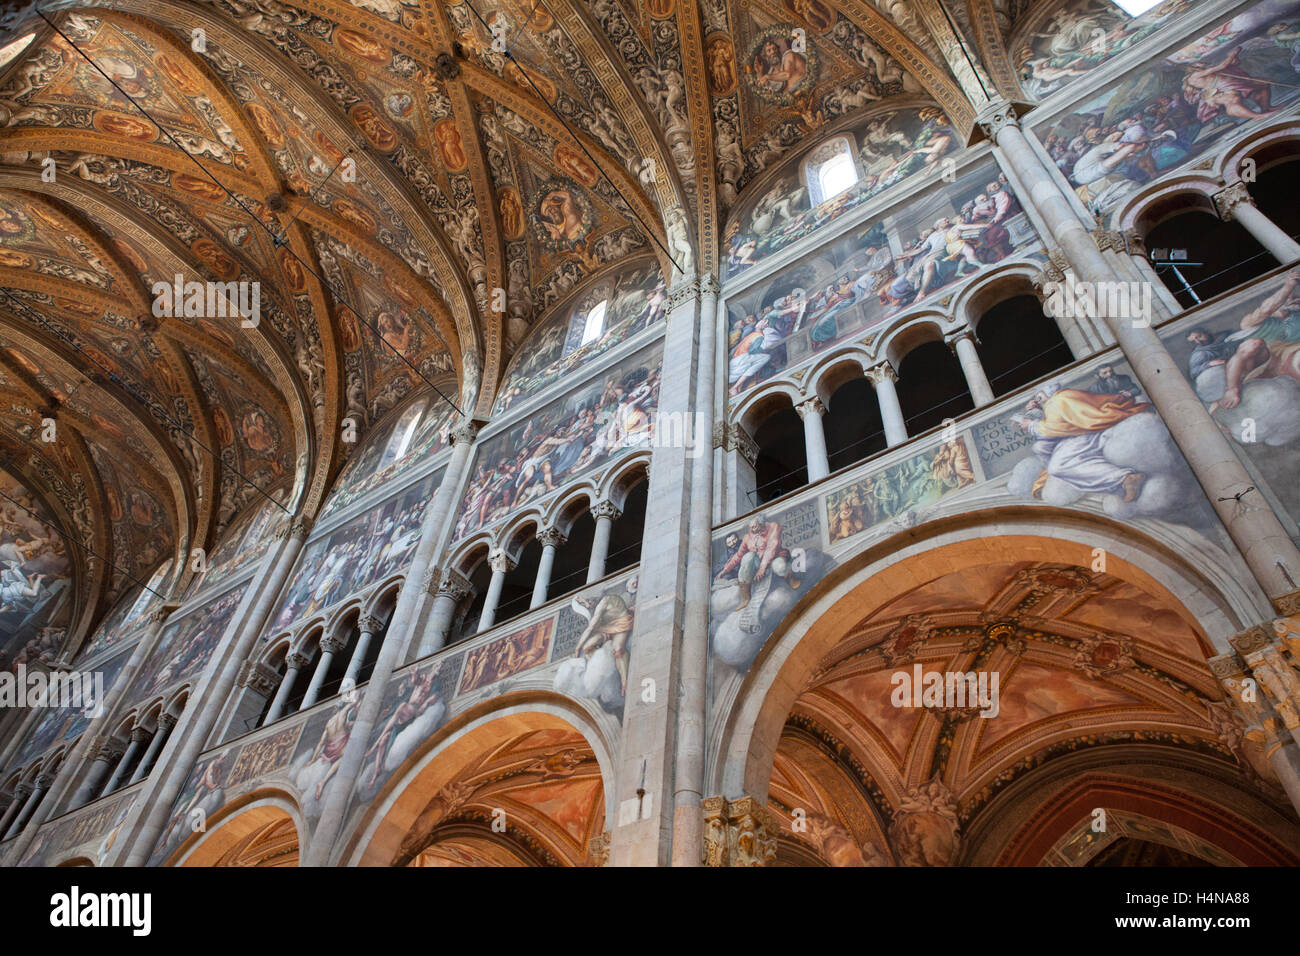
x=380 y=169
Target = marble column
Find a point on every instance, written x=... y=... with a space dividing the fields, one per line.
x=138 y=738
x=296 y=661
x=1235 y=204
x=165 y=723
x=369 y=626
x=689 y=750
x=329 y=646
x=142 y=828
x=415 y=586
x=42 y=782
x=104 y=753
x=605 y=513
x=882 y=377
x=962 y=342
x=551 y=539
x=452 y=588
x=811 y=411
x=501 y=565
x=21 y=793
x=1265 y=544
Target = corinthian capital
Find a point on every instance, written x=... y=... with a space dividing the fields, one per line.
x=1227 y=200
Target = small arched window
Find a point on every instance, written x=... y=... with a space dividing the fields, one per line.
x=402 y=435
x=11 y=50
x=830 y=170
x=594 y=325
x=1135 y=8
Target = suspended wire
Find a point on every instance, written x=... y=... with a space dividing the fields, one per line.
x=155 y=407
x=277 y=240
x=582 y=146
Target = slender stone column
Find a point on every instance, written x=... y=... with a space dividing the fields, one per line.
x=551 y=539
x=165 y=724
x=811 y=411
x=329 y=646
x=105 y=752
x=1268 y=550
x=453 y=587
x=141 y=830
x=138 y=737
x=43 y=782
x=1236 y=204
x=605 y=514
x=963 y=344
x=882 y=378
x=21 y=793
x=688 y=764
x=501 y=565
x=409 y=599
x=369 y=626
x=296 y=662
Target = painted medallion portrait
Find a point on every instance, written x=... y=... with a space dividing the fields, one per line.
x=776 y=70
x=562 y=217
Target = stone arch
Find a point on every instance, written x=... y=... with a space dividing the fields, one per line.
x=1149 y=206
x=564 y=510
x=623 y=477
x=230 y=830
x=836 y=368
x=1279 y=136
x=909 y=331
x=762 y=402
x=991 y=286
x=743 y=742
x=417 y=794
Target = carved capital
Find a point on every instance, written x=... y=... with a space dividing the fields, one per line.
x=1288 y=605
x=297 y=660
x=1227 y=665
x=465 y=434
x=998 y=117
x=302 y=526
x=811 y=406
x=598 y=849
x=107 y=750
x=745 y=446
x=22 y=791
x=738 y=832
x=334 y=643
x=951 y=339
x=370 y=624
x=167 y=721
x=1250 y=641
x=682 y=293
x=1108 y=240
x=260 y=678
x=139 y=735
x=606 y=509
x=500 y=562
x=454 y=585
x=879 y=374
x=709 y=284
x=1227 y=200
x=45 y=780
x=551 y=537
x=1137 y=243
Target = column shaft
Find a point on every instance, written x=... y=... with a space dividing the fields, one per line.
x=973 y=369
x=488 y=617
x=543 y=580
x=600 y=548
x=119 y=771
x=1266 y=232
x=317 y=679
x=814 y=439
x=281 y=696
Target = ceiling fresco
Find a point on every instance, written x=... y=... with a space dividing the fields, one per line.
x=417 y=193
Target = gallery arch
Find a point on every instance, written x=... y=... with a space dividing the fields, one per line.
x=521 y=786
x=262 y=832
x=878 y=773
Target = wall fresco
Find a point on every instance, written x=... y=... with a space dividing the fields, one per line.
x=888 y=148
x=571 y=435
x=35 y=579
x=872 y=273
x=1178 y=107
x=369 y=547
x=186 y=646
x=634 y=301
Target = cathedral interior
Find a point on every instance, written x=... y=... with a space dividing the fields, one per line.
x=650 y=433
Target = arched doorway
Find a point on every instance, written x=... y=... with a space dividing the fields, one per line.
x=939 y=707
x=265 y=834
x=521 y=788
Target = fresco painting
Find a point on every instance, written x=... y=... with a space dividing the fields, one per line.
x=593 y=634
x=421 y=429
x=571 y=435
x=241 y=548
x=607 y=313
x=35 y=578
x=371 y=546
x=1243 y=358
x=60 y=724
x=890 y=147
x=186 y=646
x=506 y=656
x=874 y=272
x=89 y=833
x=1163 y=115
x=1081 y=36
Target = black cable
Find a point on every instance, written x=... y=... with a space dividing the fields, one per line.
x=278 y=241
x=961 y=42
x=578 y=139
